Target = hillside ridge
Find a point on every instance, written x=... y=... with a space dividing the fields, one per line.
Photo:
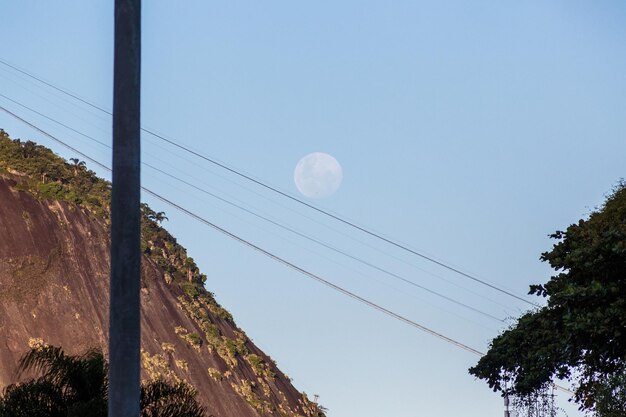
x=54 y=271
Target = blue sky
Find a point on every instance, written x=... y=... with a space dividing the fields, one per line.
x=467 y=130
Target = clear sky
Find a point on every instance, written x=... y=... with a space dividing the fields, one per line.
x=466 y=130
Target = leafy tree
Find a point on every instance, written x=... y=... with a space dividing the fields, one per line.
x=159 y=217
x=78 y=165
x=39 y=171
x=160 y=399
x=68 y=386
x=33 y=399
x=580 y=335
x=76 y=386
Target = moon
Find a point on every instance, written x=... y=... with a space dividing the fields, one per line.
x=318 y=175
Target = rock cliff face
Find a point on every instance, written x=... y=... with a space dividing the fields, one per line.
x=54 y=267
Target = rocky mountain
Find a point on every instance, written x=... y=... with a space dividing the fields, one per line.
x=54 y=272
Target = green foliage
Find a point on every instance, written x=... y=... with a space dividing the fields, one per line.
x=191 y=290
x=209 y=301
x=540 y=403
x=81 y=380
x=228 y=349
x=255 y=360
x=231 y=347
x=33 y=399
x=260 y=366
x=611 y=397
x=193 y=339
x=580 y=334
x=215 y=374
x=76 y=386
x=39 y=171
x=161 y=399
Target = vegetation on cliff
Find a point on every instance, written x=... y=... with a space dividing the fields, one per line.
x=45 y=175
x=38 y=171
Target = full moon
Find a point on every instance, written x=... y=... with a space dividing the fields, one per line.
x=318 y=175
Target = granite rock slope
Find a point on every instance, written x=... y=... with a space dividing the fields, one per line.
x=54 y=272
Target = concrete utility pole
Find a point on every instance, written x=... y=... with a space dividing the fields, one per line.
x=507 y=412
x=124 y=329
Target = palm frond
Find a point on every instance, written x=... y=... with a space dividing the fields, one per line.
x=47 y=359
x=33 y=399
x=162 y=399
x=76 y=386
x=81 y=377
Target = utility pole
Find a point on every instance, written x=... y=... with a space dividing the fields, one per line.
x=507 y=412
x=124 y=309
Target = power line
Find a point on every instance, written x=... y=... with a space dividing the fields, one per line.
x=258 y=248
x=276 y=258
x=302 y=235
x=66 y=92
x=54 y=138
x=316 y=277
x=355 y=258
x=335 y=217
x=286 y=195
x=328 y=283
x=91 y=138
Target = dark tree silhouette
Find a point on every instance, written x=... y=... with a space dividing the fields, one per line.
x=579 y=335
x=78 y=165
x=161 y=399
x=159 y=217
x=76 y=386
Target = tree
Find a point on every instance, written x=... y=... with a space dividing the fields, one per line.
x=159 y=217
x=76 y=386
x=152 y=215
x=33 y=399
x=78 y=165
x=29 y=149
x=160 y=399
x=580 y=335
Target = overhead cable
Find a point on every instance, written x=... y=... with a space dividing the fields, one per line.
x=258 y=248
x=286 y=195
x=271 y=255
x=226 y=201
x=302 y=235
